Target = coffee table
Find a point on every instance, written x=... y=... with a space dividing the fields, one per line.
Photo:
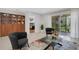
x=43 y=44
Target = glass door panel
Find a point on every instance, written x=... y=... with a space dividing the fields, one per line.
x=65 y=23
x=55 y=23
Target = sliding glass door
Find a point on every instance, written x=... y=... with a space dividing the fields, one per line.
x=65 y=23
x=61 y=23
x=55 y=22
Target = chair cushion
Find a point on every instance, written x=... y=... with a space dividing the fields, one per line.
x=18 y=39
x=22 y=42
x=21 y=35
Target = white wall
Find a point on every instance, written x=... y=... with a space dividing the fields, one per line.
x=75 y=23
x=37 y=20
x=47 y=20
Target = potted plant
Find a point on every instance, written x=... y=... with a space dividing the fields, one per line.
x=42 y=27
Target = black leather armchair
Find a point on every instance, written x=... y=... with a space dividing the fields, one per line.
x=49 y=31
x=18 y=40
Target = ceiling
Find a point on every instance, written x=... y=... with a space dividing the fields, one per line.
x=41 y=10
x=35 y=10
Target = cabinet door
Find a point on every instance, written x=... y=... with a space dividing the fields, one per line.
x=3 y=24
x=0 y=24
x=20 y=25
x=0 y=29
x=23 y=23
x=20 y=28
x=14 y=28
x=3 y=29
x=23 y=27
x=8 y=29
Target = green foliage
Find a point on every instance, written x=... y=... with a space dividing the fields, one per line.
x=42 y=27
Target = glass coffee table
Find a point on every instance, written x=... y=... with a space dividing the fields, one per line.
x=43 y=44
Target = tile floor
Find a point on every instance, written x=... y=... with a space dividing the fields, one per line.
x=63 y=39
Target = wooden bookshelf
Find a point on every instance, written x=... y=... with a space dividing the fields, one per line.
x=10 y=23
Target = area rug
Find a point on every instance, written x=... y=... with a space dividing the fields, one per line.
x=39 y=45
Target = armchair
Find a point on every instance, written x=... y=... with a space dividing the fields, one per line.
x=18 y=40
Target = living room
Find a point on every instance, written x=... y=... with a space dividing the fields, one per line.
x=35 y=22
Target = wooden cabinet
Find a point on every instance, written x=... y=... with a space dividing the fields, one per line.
x=10 y=23
x=0 y=24
x=0 y=29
